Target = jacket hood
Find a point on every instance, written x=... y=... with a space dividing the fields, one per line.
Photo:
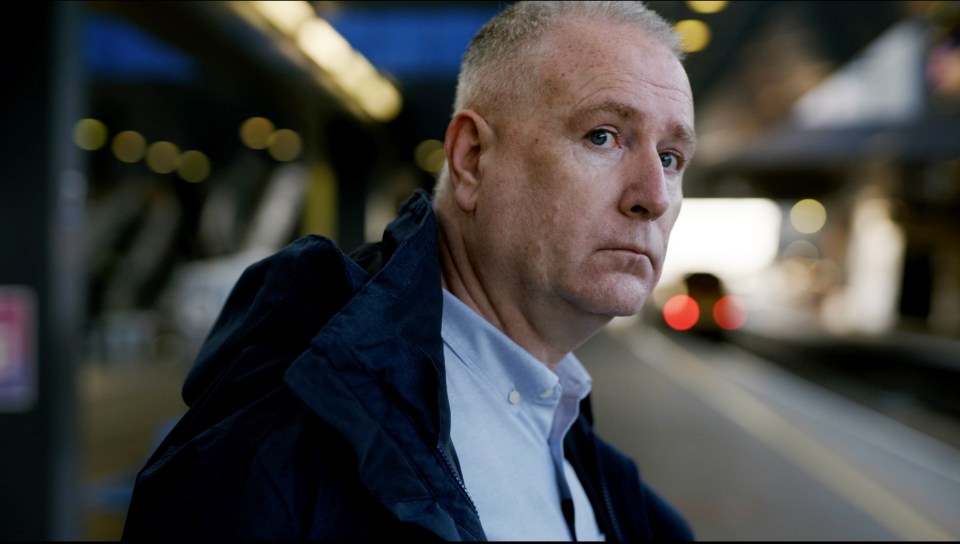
x=357 y=340
x=282 y=301
x=384 y=388
x=395 y=315
x=279 y=301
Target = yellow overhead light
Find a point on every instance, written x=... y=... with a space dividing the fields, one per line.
x=129 y=146
x=695 y=34
x=707 y=6
x=808 y=216
x=194 y=166
x=285 y=15
x=322 y=43
x=375 y=95
x=430 y=156
x=354 y=74
x=255 y=132
x=163 y=157
x=285 y=145
x=89 y=134
x=380 y=100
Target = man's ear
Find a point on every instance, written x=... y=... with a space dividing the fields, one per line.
x=468 y=136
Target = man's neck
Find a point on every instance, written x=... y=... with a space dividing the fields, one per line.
x=548 y=333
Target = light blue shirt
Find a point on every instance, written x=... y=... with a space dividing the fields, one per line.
x=509 y=414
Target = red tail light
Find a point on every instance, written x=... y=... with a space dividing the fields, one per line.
x=729 y=313
x=681 y=312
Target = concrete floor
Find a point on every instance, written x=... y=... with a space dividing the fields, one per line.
x=124 y=406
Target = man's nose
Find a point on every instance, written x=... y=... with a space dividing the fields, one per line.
x=646 y=193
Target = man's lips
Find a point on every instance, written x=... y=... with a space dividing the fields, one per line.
x=626 y=247
x=630 y=250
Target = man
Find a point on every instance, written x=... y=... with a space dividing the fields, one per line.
x=424 y=387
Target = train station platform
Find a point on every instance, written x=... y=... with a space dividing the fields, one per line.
x=896 y=372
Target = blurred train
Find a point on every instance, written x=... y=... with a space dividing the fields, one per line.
x=704 y=307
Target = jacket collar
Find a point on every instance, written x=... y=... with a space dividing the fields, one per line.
x=375 y=372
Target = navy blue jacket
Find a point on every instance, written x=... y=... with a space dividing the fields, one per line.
x=318 y=411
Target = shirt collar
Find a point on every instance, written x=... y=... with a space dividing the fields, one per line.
x=487 y=351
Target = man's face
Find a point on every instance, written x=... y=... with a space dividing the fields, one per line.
x=582 y=188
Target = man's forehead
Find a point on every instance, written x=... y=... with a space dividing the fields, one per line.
x=584 y=46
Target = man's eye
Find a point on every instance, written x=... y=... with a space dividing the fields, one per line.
x=669 y=160
x=600 y=137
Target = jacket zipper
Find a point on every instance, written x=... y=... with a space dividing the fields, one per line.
x=608 y=503
x=456 y=475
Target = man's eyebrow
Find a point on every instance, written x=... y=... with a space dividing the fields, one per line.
x=682 y=132
x=686 y=135
x=619 y=108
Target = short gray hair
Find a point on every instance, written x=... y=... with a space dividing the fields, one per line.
x=494 y=68
x=496 y=57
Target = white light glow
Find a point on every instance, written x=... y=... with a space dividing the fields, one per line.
x=729 y=237
x=350 y=69
x=285 y=15
x=869 y=302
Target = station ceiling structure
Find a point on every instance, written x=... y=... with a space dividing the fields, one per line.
x=762 y=57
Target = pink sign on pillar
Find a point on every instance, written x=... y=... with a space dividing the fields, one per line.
x=18 y=365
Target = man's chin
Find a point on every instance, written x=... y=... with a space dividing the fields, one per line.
x=625 y=312
x=615 y=298
x=629 y=298
x=623 y=306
